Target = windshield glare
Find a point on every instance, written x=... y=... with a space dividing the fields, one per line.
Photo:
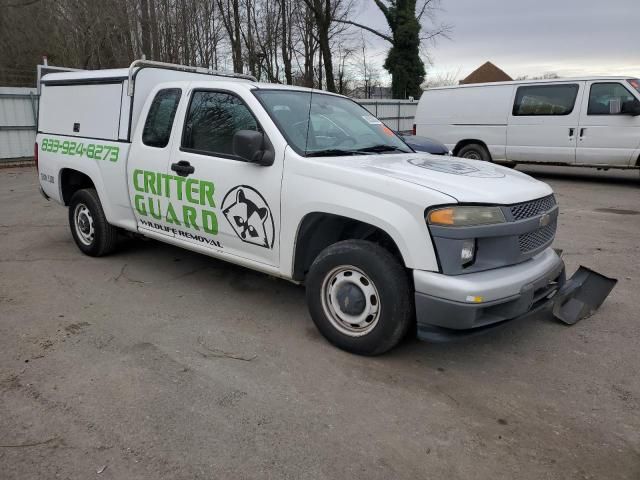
x=635 y=83
x=315 y=124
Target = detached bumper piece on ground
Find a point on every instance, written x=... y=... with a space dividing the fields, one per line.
x=582 y=295
x=569 y=300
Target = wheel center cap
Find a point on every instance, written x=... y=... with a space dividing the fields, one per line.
x=350 y=299
x=84 y=224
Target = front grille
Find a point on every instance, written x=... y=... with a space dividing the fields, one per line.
x=530 y=209
x=533 y=240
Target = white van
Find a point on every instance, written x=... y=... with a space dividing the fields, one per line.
x=591 y=122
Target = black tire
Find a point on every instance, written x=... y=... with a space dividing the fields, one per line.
x=388 y=279
x=92 y=233
x=474 y=151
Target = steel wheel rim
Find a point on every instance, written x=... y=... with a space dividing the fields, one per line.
x=84 y=224
x=351 y=325
x=472 y=156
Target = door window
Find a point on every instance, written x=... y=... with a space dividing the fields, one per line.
x=212 y=121
x=608 y=99
x=157 y=127
x=545 y=100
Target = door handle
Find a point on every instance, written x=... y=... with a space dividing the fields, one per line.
x=582 y=130
x=182 y=168
x=571 y=132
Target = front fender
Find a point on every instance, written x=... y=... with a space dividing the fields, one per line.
x=402 y=220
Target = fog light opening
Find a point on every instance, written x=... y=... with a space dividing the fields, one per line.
x=468 y=252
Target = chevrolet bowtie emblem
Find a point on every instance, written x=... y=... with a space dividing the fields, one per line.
x=544 y=220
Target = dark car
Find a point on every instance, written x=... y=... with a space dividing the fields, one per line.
x=424 y=144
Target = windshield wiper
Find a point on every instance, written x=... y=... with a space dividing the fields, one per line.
x=331 y=152
x=382 y=148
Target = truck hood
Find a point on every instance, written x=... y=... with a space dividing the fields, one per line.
x=465 y=180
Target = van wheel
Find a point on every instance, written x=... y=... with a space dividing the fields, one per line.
x=359 y=297
x=474 y=151
x=89 y=227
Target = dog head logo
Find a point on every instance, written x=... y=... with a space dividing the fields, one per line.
x=249 y=215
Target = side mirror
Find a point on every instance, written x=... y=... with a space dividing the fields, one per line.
x=631 y=107
x=253 y=147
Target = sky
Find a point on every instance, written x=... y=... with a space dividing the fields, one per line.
x=567 y=37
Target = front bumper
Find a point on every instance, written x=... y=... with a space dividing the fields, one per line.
x=475 y=301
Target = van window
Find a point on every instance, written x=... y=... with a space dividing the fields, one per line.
x=212 y=121
x=608 y=98
x=157 y=127
x=545 y=100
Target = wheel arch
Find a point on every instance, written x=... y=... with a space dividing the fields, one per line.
x=318 y=230
x=468 y=141
x=72 y=180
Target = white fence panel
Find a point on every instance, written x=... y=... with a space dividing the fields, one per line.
x=18 y=112
x=396 y=114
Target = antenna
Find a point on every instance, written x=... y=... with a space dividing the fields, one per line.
x=306 y=141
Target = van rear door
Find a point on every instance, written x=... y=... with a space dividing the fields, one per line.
x=608 y=134
x=543 y=123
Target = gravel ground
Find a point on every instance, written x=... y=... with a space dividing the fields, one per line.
x=159 y=363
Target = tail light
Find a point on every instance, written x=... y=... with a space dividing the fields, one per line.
x=414 y=129
x=35 y=154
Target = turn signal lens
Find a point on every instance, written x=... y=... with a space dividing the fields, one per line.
x=463 y=216
x=443 y=216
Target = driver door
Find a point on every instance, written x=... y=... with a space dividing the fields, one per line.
x=235 y=204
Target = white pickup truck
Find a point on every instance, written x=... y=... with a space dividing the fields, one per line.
x=303 y=185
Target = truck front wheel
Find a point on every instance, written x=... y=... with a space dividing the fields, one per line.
x=359 y=297
x=89 y=227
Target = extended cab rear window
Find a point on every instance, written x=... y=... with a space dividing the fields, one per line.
x=535 y=100
x=157 y=127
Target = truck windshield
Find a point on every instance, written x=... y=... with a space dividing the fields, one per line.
x=635 y=83
x=317 y=124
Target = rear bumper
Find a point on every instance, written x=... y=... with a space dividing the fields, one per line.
x=477 y=301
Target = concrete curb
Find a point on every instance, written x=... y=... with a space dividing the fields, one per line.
x=17 y=162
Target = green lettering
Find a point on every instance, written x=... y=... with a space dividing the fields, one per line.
x=192 y=190
x=138 y=201
x=136 y=185
x=171 y=215
x=179 y=185
x=149 y=185
x=167 y=185
x=209 y=222
x=206 y=192
x=155 y=214
x=189 y=215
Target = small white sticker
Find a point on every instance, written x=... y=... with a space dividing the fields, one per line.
x=372 y=120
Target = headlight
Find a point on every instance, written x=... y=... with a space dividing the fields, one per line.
x=464 y=216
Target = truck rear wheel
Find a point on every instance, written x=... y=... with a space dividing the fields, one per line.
x=359 y=297
x=474 y=151
x=89 y=227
